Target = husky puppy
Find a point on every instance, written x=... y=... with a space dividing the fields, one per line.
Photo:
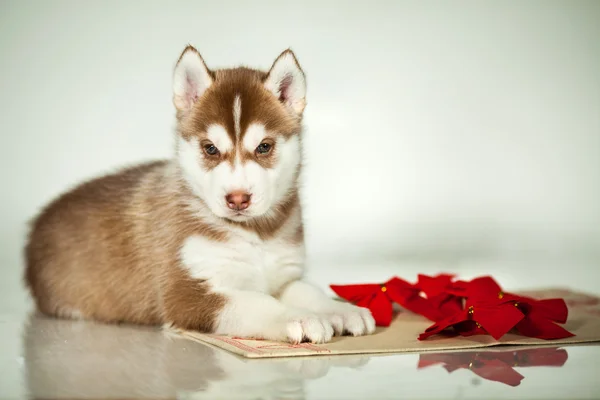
x=209 y=240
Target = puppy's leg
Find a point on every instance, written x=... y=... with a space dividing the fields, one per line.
x=254 y=314
x=190 y=304
x=343 y=316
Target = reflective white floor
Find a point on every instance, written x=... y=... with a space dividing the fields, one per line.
x=77 y=359
x=58 y=359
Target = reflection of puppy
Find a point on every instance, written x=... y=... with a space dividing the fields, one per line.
x=78 y=359
x=211 y=240
x=276 y=378
x=317 y=367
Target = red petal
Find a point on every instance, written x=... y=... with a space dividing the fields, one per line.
x=554 y=309
x=416 y=304
x=469 y=328
x=365 y=301
x=535 y=325
x=407 y=295
x=421 y=306
x=399 y=290
x=400 y=287
x=498 y=320
x=434 y=285
x=443 y=324
x=382 y=309
x=450 y=305
x=354 y=293
x=484 y=287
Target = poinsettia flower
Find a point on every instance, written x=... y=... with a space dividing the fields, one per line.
x=409 y=297
x=469 y=328
x=484 y=287
x=377 y=297
x=541 y=317
x=475 y=307
x=493 y=317
x=434 y=286
x=437 y=291
x=371 y=296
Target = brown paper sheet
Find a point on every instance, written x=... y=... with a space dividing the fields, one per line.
x=401 y=335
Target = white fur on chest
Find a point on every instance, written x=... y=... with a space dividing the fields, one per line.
x=244 y=262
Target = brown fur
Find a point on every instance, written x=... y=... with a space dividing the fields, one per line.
x=91 y=252
x=109 y=249
x=258 y=106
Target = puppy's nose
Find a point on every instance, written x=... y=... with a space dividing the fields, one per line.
x=238 y=200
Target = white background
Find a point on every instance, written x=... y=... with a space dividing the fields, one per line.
x=461 y=136
x=458 y=136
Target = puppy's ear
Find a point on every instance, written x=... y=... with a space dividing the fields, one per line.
x=191 y=78
x=287 y=82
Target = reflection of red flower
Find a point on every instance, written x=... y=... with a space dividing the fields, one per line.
x=541 y=357
x=496 y=366
x=481 y=364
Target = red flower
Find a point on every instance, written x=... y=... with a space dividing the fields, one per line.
x=474 y=307
x=437 y=289
x=495 y=318
x=434 y=286
x=497 y=310
x=541 y=317
x=484 y=287
x=376 y=297
x=409 y=297
x=379 y=298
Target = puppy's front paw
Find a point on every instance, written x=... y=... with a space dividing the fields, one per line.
x=311 y=328
x=347 y=318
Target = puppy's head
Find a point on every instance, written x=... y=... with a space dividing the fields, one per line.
x=239 y=133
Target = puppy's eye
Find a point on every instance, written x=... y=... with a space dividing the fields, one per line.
x=263 y=148
x=211 y=150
